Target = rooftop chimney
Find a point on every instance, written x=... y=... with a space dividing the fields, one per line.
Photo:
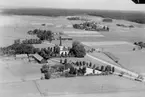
x=60 y=41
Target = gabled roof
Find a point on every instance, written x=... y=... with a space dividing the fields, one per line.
x=38 y=57
x=21 y=55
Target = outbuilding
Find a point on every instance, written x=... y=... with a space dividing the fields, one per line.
x=21 y=56
x=39 y=58
x=92 y=71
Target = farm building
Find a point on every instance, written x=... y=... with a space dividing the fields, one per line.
x=39 y=58
x=21 y=56
x=65 y=38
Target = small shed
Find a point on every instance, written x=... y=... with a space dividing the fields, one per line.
x=39 y=58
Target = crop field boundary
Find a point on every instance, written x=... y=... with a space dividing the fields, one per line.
x=106 y=43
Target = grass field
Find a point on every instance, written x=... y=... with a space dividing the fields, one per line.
x=96 y=85
x=132 y=60
x=19 y=69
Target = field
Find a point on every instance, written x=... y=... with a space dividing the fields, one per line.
x=18 y=70
x=103 y=86
x=126 y=15
x=118 y=41
x=132 y=60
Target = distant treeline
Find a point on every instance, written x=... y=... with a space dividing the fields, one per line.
x=134 y=16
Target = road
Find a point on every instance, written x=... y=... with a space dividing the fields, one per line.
x=133 y=74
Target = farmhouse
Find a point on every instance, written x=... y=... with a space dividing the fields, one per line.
x=63 y=50
x=39 y=58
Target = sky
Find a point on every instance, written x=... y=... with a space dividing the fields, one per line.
x=75 y=4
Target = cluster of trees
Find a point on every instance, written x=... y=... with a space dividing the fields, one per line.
x=140 y=44
x=73 y=18
x=32 y=41
x=91 y=26
x=49 y=52
x=127 y=26
x=45 y=69
x=78 y=49
x=42 y=34
x=71 y=69
x=82 y=65
x=19 y=48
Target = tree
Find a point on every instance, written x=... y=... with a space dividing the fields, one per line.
x=78 y=49
x=65 y=54
x=97 y=68
x=47 y=75
x=17 y=41
x=72 y=70
x=102 y=68
x=113 y=69
x=60 y=60
x=90 y=65
x=57 y=49
x=62 y=55
x=65 y=61
x=81 y=63
x=84 y=63
x=94 y=66
x=84 y=70
x=87 y=64
x=44 y=69
x=77 y=63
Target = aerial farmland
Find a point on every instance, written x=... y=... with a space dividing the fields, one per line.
x=20 y=74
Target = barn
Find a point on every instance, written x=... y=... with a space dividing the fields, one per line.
x=39 y=58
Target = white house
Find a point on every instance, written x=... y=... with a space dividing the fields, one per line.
x=91 y=71
x=63 y=50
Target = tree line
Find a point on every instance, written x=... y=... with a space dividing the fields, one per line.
x=83 y=65
x=91 y=26
x=140 y=44
x=32 y=41
x=77 y=50
x=72 y=69
x=42 y=34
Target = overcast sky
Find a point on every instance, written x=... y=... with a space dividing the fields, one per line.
x=82 y=4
